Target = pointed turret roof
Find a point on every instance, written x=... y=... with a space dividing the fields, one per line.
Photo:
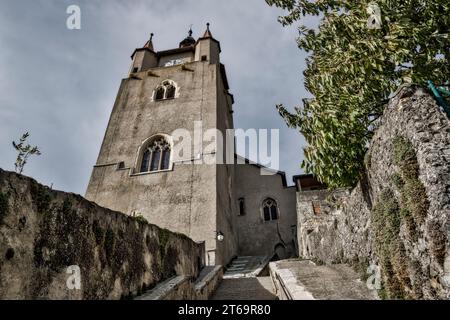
x=148 y=46
x=207 y=33
x=149 y=43
x=208 y=36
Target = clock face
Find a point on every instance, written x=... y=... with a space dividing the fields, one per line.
x=173 y=62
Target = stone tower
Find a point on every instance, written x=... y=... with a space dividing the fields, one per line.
x=137 y=171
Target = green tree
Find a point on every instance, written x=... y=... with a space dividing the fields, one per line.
x=353 y=69
x=24 y=151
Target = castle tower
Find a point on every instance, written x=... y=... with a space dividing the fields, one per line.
x=137 y=171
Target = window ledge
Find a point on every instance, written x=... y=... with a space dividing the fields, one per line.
x=166 y=99
x=150 y=172
x=269 y=221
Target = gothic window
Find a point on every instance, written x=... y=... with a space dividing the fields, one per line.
x=156 y=156
x=241 y=206
x=166 y=90
x=270 y=210
x=160 y=93
x=165 y=162
x=170 y=92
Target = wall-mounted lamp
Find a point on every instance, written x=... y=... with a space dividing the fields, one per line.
x=219 y=236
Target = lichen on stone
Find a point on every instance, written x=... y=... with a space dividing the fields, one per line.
x=98 y=231
x=141 y=219
x=41 y=196
x=109 y=244
x=386 y=220
x=400 y=272
x=4 y=208
x=117 y=255
x=360 y=266
x=163 y=235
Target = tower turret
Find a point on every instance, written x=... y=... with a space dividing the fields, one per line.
x=207 y=48
x=188 y=41
x=144 y=58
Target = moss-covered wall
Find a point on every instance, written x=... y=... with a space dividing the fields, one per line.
x=398 y=216
x=43 y=232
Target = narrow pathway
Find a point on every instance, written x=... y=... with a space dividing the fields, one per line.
x=240 y=281
x=260 y=288
x=303 y=279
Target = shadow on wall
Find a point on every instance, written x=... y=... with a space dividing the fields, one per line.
x=284 y=251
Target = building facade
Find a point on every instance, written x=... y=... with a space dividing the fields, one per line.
x=232 y=207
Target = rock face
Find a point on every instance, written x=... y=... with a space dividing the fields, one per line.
x=44 y=232
x=397 y=217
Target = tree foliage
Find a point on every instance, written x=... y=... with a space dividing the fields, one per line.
x=352 y=70
x=24 y=151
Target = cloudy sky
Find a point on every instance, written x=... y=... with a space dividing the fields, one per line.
x=60 y=84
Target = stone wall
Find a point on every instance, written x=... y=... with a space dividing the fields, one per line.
x=43 y=232
x=256 y=236
x=397 y=217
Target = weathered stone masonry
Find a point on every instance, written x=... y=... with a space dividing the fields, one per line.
x=398 y=215
x=43 y=231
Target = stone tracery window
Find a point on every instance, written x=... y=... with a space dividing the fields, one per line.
x=270 y=209
x=160 y=93
x=165 y=90
x=156 y=156
x=170 y=92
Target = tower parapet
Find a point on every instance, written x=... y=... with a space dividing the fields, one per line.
x=205 y=49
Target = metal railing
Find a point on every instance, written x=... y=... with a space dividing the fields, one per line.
x=440 y=92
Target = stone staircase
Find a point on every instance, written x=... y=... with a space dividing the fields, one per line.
x=246 y=267
x=257 y=288
x=241 y=281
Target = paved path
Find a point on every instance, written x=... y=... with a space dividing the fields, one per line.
x=245 y=289
x=240 y=281
x=305 y=280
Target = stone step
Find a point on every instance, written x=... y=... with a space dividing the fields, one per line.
x=245 y=289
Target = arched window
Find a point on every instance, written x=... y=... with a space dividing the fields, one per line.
x=156 y=156
x=160 y=93
x=270 y=209
x=170 y=92
x=145 y=160
x=166 y=90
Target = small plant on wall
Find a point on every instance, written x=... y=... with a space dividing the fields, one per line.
x=24 y=150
